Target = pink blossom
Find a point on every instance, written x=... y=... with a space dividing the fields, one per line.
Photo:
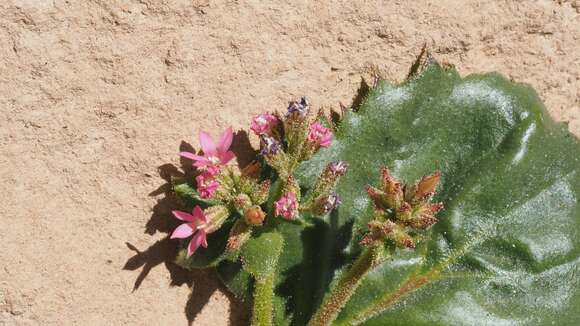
x=319 y=135
x=214 y=156
x=206 y=184
x=263 y=124
x=195 y=225
x=286 y=206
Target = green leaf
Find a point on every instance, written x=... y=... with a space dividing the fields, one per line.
x=507 y=248
x=186 y=191
x=260 y=254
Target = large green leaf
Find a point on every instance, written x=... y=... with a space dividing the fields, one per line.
x=507 y=248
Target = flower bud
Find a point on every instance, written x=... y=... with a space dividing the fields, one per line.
x=261 y=195
x=402 y=239
x=337 y=168
x=329 y=178
x=425 y=188
x=424 y=216
x=293 y=187
x=299 y=109
x=242 y=201
x=254 y=215
x=404 y=212
x=239 y=234
x=215 y=217
x=392 y=189
x=378 y=198
x=325 y=204
x=270 y=146
x=379 y=231
x=252 y=170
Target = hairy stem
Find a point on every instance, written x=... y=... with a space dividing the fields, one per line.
x=263 y=309
x=344 y=289
x=412 y=285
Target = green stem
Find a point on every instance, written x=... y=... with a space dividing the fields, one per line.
x=411 y=285
x=263 y=310
x=344 y=289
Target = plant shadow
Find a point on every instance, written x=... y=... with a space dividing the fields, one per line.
x=202 y=282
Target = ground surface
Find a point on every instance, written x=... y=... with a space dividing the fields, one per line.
x=96 y=95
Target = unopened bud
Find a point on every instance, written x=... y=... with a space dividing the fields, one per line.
x=404 y=212
x=378 y=232
x=426 y=221
x=241 y=201
x=293 y=187
x=424 y=216
x=259 y=197
x=329 y=178
x=392 y=188
x=338 y=168
x=378 y=198
x=270 y=146
x=325 y=204
x=254 y=215
x=402 y=239
x=425 y=188
x=435 y=208
x=408 y=243
x=216 y=216
x=239 y=234
x=299 y=109
x=252 y=170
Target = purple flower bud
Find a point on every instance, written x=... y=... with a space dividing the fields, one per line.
x=332 y=202
x=325 y=204
x=270 y=146
x=300 y=107
x=338 y=168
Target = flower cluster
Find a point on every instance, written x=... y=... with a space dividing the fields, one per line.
x=264 y=124
x=239 y=195
x=297 y=134
x=401 y=211
x=318 y=135
x=214 y=158
x=286 y=206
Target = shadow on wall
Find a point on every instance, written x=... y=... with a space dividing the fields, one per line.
x=202 y=282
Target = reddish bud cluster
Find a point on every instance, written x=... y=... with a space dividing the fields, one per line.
x=401 y=210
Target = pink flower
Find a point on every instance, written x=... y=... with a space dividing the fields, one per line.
x=206 y=184
x=286 y=206
x=214 y=156
x=263 y=124
x=319 y=135
x=195 y=225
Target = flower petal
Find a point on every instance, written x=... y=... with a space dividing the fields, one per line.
x=207 y=144
x=225 y=141
x=183 y=216
x=192 y=156
x=201 y=163
x=183 y=231
x=198 y=239
x=198 y=214
x=226 y=157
